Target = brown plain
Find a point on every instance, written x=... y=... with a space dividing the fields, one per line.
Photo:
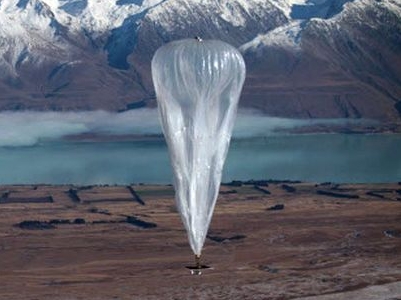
x=281 y=241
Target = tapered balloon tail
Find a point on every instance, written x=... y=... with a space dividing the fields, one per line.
x=198 y=267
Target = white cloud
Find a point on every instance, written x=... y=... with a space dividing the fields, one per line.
x=29 y=128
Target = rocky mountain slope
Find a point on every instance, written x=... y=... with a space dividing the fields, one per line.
x=320 y=58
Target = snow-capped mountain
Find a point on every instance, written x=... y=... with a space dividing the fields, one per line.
x=305 y=58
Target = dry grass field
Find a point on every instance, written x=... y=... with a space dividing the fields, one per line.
x=267 y=240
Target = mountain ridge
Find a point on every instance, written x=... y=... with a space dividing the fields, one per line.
x=313 y=59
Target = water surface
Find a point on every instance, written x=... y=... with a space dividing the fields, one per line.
x=312 y=157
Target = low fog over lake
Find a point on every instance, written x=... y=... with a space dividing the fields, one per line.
x=47 y=147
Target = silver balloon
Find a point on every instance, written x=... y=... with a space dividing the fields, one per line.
x=197 y=84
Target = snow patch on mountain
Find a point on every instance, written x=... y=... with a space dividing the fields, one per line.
x=287 y=37
x=303 y=13
x=230 y=12
x=29 y=32
x=173 y=14
x=24 y=17
x=286 y=6
x=237 y=12
x=97 y=17
x=356 y=10
x=394 y=6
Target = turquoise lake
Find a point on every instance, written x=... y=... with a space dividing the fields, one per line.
x=340 y=158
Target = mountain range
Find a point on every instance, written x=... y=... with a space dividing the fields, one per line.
x=305 y=58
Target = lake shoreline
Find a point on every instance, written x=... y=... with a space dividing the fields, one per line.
x=392 y=128
x=312 y=129
x=233 y=183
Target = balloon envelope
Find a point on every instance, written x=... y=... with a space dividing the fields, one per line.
x=197 y=84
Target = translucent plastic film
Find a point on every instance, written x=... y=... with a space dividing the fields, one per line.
x=198 y=84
